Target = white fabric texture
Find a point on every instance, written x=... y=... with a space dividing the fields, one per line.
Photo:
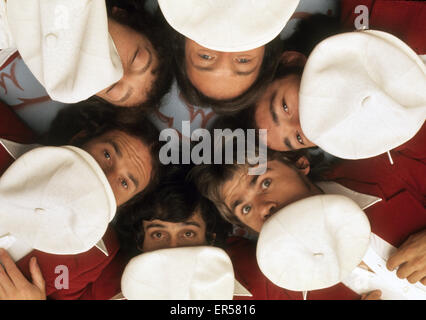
x=228 y=25
x=6 y=40
x=363 y=281
x=185 y=273
x=66 y=45
x=362 y=94
x=313 y=243
x=56 y=200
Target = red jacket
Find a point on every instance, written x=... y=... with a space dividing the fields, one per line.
x=404 y=19
x=402 y=187
x=85 y=268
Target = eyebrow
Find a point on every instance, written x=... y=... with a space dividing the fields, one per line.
x=120 y=155
x=155 y=225
x=271 y=109
x=115 y=147
x=144 y=69
x=235 y=204
x=288 y=143
x=253 y=181
x=191 y=223
x=135 y=181
x=126 y=96
x=186 y=223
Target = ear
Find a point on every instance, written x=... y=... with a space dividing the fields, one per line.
x=293 y=59
x=303 y=165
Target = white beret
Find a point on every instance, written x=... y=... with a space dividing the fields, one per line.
x=66 y=45
x=362 y=94
x=185 y=273
x=313 y=243
x=56 y=200
x=229 y=25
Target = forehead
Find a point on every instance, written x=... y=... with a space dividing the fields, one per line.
x=236 y=184
x=121 y=33
x=119 y=136
x=241 y=182
x=195 y=221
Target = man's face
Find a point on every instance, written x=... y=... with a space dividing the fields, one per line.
x=125 y=160
x=139 y=59
x=221 y=75
x=161 y=234
x=253 y=199
x=278 y=112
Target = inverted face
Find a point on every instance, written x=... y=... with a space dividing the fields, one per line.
x=221 y=75
x=161 y=234
x=253 y=199
x=278 y=112
x=125 y=160
x=139 y=60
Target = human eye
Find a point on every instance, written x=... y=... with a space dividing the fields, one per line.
x=189 y=234
x=285 y=107
x=246 y=210
x=205 y=56
x=135 y=55
x=107 y=155
x=124 y=184
x=243 y=60
x=157 y=235
x=299 y=139
x=266 y=183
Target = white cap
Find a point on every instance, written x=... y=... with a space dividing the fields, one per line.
x=313 y=243
x=185 y=273
x=56 y=200
x=66 y=45
x=228 y=25
x=362 y=94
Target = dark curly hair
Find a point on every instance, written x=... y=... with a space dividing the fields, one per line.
x=174 y=200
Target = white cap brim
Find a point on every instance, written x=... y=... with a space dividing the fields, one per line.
x=313 y=243
x=66 y=45
x=229 y=25
x=56 y=199
x=362 y=94
x=185 y=273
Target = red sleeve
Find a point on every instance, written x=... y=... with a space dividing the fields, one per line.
x=404 y=19
x=415 y=148
x=243 y=256
x=14 y=129
x=109 y=282
x=83 y=269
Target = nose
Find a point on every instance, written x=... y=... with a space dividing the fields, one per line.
x=173 y=243
x=224 y=64
x=292 y=122
x=268 y=209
